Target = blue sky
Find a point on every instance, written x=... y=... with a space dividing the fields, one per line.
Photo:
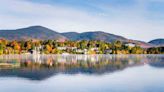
x=134 y=19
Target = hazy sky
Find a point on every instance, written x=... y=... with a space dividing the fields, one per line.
x=134 y=19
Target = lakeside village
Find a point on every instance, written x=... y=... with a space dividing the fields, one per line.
x=74 y=47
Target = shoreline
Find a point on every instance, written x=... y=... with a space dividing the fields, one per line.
x=77 y=54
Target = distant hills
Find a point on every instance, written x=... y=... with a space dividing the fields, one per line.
x=33 y=32
x=102 y=36
x=43 y=33
x=159 y=42
x=96 y=35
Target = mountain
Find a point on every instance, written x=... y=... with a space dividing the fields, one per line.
x=96 y=35
x=33 y=32
x=102 y=36
x=159 y=42
x=43 y=33
x=71 y=35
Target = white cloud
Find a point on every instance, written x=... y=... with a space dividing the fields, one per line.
x=130 y=23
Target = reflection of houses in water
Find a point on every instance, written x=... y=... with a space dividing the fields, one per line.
x=86 y=64
x=62 y=60
x=77 y=58
x=36 y=54
x=36 y=58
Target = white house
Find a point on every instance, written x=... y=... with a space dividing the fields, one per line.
x=108 y=51
x=85 y=51
x=36 y=50
x=72 y=48
x=64 y=48
x=130 y=44
x=61 y=48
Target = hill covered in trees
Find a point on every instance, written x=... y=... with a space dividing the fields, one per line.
x=96 y=35
x=33 y=32
x=43 y=33
x=159 y=42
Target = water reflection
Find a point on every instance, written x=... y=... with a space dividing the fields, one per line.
x=44 y=66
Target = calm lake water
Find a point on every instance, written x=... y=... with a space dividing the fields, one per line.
x=82 y=73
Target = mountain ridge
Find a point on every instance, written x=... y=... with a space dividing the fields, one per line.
x=43 y=33
x=158 y=42
x=32 y=32
x=93 y=35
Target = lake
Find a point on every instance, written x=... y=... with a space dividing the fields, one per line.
x=82 y=73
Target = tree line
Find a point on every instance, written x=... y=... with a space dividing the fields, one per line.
x=51 y=47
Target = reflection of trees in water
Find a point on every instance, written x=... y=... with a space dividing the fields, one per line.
x=50 y=65
x=157 y=62
x=83 y=62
